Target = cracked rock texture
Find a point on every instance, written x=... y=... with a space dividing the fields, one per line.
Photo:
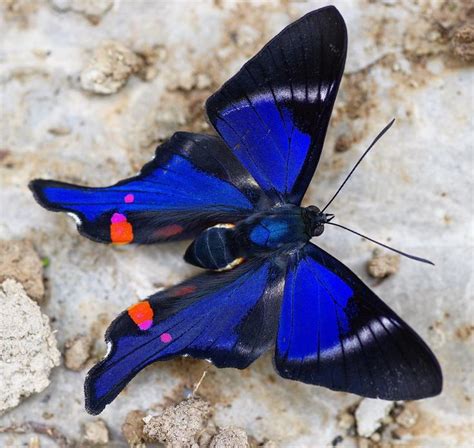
x=28 y=349
x=411 y=60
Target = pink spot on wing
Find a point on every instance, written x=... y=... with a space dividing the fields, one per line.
x=145 y=325
x=166 y=337
x=129 y=198
x=118 y=217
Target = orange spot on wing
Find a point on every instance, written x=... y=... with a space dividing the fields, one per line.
x=121 y=231
x=169 y=231
x=142 y=314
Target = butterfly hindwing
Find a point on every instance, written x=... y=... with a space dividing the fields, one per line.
x=229 y=318
x=274 y=112
x=335 y=332
x=193 y=182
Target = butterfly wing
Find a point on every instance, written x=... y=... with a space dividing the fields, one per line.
x=274 y=112
x=335 y=332
x=193 y=182
x=229 y=318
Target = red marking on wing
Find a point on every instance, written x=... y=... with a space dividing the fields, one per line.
x=168 y=231
x=183 y=290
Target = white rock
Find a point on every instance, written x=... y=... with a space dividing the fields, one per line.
x=28 y=348
x=370 y=414
x=110 y=67
x=96 y=433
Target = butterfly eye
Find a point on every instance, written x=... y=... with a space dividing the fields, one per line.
x=318 y=230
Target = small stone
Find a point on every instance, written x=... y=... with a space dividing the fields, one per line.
x=59 y=130
x=203 y=81
x=364 y=443
x=346 y=420
x=343 y=143
x=185 y=80
x=383 y=265
x=246 y=36
x=110 y=67
x=463 y=42
x=178 y=425
x=20 y=261
x=269 y=444
x=77 y=352
x=96 y=432
x=34 y=442
x=407 y=418
x=132 y=428
x=205 y=436
x=370 y=415
x=230 y=437
x=375 y=437
x=28 y=349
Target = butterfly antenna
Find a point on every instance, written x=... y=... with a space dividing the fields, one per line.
x=412 y=257
x=376 y=139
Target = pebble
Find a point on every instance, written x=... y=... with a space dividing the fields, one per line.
x=370 y=415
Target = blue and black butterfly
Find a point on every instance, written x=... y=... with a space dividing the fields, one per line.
x=238 y=196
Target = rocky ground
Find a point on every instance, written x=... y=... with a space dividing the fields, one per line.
x=90 y=87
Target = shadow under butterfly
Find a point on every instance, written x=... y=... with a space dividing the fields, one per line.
x=238 y=196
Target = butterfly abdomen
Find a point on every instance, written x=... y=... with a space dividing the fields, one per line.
x=216 y=248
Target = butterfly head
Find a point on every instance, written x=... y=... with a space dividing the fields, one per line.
x=315 y=219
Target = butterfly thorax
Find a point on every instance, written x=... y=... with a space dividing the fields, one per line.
x=280 y=229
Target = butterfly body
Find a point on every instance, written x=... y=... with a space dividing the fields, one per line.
x=238 y=196
x=278 y=230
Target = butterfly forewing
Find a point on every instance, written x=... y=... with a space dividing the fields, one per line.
x=274 y=112
x=193 y=182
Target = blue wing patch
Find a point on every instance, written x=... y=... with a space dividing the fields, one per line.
x=193 y=182
x=335 y=332
x=274 y=112
x=229 y=318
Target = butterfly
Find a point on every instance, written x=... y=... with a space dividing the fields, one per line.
x=238 y=196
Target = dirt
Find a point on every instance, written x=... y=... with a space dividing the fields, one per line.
x=20 y=261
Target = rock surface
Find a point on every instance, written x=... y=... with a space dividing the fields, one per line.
x=405 y=60
x=28 y=349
